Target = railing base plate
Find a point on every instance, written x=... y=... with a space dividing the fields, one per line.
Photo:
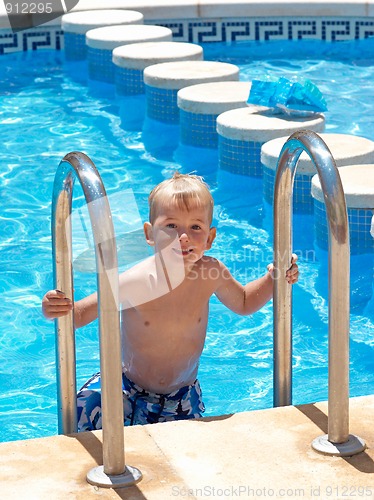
x=351 y=447
x=98 y=477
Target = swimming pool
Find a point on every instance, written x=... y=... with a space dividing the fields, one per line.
x=45 y=113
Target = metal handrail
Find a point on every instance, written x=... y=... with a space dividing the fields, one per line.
x=78 y=165
x=338 y=276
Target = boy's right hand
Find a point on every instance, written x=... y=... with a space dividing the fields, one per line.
x=55 y=304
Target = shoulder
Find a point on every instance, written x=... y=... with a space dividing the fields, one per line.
x=213 y=269
x=209 y=262
x=212 y=262
x=140 y=269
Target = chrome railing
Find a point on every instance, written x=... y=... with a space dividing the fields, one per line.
x=77 y=165
x=338 y=441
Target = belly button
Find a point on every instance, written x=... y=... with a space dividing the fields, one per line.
x=146 y=323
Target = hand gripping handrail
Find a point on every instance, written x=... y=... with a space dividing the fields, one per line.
x=113 y=473
x=338 y=441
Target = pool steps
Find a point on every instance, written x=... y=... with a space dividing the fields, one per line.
x=243 y=131
x=102 y=41
x=76 y=24
x=345 y=148
x=131 y=61
x=163 y=81
x=200 y=105
x=358 y=185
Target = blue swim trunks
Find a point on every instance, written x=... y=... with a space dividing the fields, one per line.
x=140 y=406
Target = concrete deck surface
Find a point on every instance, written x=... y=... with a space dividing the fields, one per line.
x=259 y=454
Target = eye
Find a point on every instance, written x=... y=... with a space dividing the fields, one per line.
x=196 y=227
x=171 y=225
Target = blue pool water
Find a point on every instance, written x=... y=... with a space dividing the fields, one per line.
x=47 y=110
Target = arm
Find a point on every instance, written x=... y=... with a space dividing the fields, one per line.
x=254 y=295
x=55 y=304
x=245 y=299
x=85 y=310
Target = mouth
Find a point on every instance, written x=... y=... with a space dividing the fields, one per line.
x=183 y=251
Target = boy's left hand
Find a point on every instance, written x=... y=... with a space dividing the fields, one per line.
x=292 y=274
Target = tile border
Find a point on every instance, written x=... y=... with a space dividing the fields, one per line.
x=30 y=40
x=262 y=29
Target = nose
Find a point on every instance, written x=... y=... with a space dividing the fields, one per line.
x=183 y=236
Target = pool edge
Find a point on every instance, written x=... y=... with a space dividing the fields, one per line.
x=244 y=454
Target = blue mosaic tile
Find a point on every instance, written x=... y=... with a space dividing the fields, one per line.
x=359 y=221
x=302 y=198
x=128 y=81
x=320 y=225
x=198 y=130
x=240 y=157
x=100 y=66
x=75 y=46
x=268 y=184
x=162 y=104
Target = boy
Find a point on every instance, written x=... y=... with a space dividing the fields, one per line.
x=164 y=308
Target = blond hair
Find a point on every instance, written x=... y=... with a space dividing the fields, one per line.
x=186 y=191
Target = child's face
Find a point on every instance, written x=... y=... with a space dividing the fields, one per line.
x=184 y=233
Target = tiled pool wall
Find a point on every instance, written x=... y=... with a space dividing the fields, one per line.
x=76 y=45
x=198 y=129
x=229 y=29
x=332 y=29
x=240 y=157
x=359 y=220
x=162 y=104
x=128 y=81
x=302 y=200
x=100 y=65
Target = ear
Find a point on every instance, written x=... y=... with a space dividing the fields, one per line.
x=211 y=237
x=148 y=232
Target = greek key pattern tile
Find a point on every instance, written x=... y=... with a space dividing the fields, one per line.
x=266 y=29
x=222 y=30
x=36 y=39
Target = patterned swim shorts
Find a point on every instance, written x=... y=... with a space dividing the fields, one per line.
x=140 y=406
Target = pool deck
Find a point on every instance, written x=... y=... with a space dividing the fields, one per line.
x=215 y=9
x=258 y=454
